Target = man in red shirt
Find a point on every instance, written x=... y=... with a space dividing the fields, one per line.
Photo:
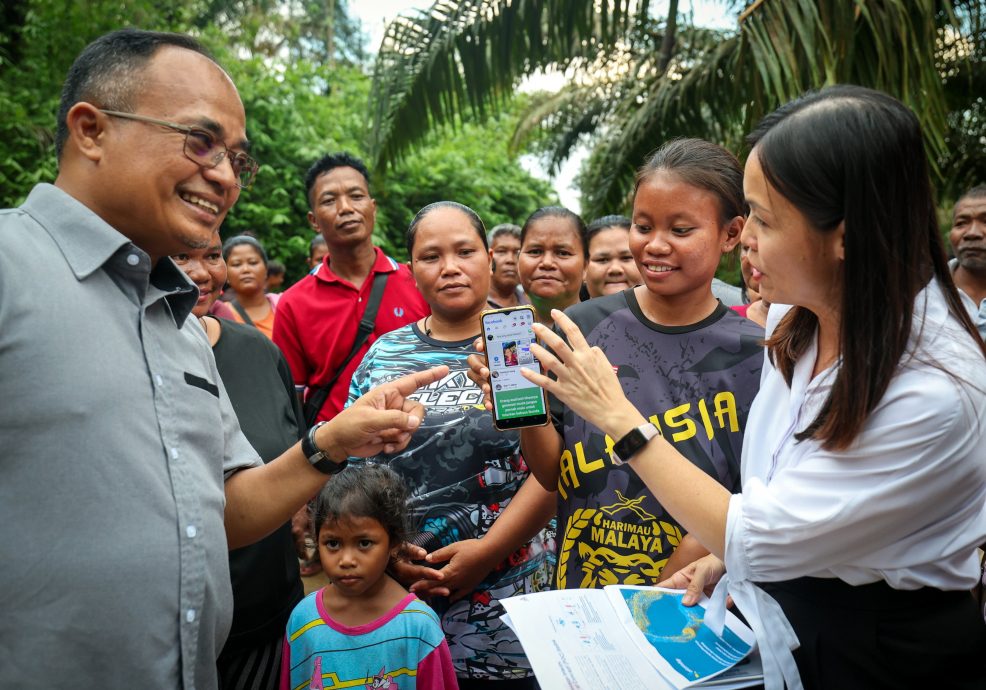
x=317 y=318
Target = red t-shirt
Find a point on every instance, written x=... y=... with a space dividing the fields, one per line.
x=317 y=318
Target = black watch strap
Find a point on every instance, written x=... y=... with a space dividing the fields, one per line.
x=317 y=457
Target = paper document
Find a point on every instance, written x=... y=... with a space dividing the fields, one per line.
x=626 y=638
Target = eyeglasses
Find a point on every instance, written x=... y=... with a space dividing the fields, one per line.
x=203 y=148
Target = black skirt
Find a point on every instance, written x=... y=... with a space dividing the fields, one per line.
x=873 y=637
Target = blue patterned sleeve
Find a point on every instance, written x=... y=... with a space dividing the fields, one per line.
x=360 y=383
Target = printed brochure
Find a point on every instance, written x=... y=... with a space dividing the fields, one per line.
x=627 y=638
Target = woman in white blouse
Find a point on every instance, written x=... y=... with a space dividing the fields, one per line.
x=864 y=463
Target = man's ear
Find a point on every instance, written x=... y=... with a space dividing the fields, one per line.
x=313 y=223
x=86 y=131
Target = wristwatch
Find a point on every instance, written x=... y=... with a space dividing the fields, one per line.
x=633 y=441
x=318 y=458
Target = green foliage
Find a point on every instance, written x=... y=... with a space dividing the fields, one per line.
x=459 y=56
x=962 y=61
x=38 y=41
x=298 y=112
x=295 y=113
x=469 y=164
x=319 y=31
x=299 y=103
x=627 y=97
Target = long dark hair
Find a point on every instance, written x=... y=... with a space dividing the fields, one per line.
x=854 y=156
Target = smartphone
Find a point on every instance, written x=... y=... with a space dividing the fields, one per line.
x=507 y=335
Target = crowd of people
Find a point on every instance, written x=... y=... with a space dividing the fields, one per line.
x=810 y=443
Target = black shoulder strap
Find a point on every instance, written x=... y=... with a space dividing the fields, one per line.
x=241 y=311
x=318 y=396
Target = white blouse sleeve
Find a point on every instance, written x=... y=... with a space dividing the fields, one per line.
x=899 y=496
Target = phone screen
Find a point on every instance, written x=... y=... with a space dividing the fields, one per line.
x=508 y=336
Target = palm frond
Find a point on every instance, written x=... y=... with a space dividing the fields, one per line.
x=467 y=55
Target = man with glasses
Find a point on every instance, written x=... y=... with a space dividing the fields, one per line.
x=124 y=476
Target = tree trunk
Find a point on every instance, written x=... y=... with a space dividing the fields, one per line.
x=330 y=46
x=670 y=31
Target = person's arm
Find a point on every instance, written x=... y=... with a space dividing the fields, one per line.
x=260 y=499
x=688 y=551
x=912 y=469
x=471 y=560
x=587 y=384
x=527 y=514
x=542 y=446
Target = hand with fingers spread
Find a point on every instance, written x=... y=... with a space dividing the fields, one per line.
x=584 y=378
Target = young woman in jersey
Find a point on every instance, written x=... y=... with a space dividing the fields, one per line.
x=690 y=363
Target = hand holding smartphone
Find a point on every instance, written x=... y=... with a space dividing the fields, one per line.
x=507 y=337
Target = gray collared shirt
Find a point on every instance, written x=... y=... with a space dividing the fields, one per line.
x=116 y=436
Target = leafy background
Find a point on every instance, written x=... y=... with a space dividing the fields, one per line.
x=301 y=102
x=436 y=112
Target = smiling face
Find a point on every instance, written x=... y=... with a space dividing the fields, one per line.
x=968 y=233
x=798 y=264
x=207 y=270
x=144 y=185
x=552 y=262
x=450 y=264
x=354 y=552
x=247 y=273
x=342 y=208
x=611 y=267
x=677 y=239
